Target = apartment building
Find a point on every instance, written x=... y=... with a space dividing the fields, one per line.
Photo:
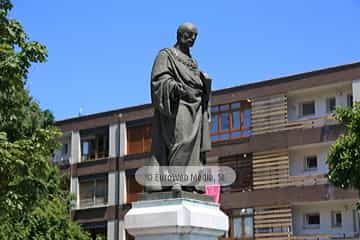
x=275 y=134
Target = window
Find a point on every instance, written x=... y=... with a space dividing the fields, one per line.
x=307 y=109
x=93 y=191
x=242 y=224
x=94 y=144
x=336 y=219
x=330 y=104
x=312 y=220
x=139 y=139
x=311 y=163
x=349 y=100
x=230 y=121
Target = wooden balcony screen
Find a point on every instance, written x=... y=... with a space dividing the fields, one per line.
x=273 y=222
x=269 y=114
x=139 y=139
x=133 y=188
x=270 y=169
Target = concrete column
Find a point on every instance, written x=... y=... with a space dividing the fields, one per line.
x=122 y=140
x=122 y=153
x=112 y=230
x=113 y=186
x=74 y=189
x=122 y=188
x=75 y=147
x=122 y=232
x=114 y=140
x=356 y=90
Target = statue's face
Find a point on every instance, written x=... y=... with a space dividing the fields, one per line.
x=188 y=37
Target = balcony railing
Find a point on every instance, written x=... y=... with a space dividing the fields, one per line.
x=298 y=181
x=311 y=122
x=307 y=180
x=61 y=162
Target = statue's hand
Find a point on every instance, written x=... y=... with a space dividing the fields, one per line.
x=205 y=78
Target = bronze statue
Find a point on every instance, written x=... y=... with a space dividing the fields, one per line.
x=180 y=95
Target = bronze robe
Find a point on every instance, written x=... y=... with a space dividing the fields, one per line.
x=180 y=97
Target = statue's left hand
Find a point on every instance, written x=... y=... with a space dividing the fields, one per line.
x=205 y=78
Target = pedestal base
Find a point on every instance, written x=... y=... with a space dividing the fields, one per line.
x=176 y=218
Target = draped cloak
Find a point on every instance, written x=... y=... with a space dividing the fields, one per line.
x=180 y=97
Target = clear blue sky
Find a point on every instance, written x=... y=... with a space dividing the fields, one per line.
x=101 y=52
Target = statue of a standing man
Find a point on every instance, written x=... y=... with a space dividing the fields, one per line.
x=180 y=95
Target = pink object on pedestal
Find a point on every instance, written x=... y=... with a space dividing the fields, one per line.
x=214 y=191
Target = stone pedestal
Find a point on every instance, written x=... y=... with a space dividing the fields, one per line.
x=180 y=216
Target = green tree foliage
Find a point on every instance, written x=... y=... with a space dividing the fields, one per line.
x=344 y=155
x=32 y=204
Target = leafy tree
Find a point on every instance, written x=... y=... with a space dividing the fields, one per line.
x=32 y=204
x=344 y=155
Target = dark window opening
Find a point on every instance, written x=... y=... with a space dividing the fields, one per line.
x=312 y=220
x=350 y=100
x=336 y=219
x=307 y=109
x=311 y=163
x=65 y=149
x=94 y=143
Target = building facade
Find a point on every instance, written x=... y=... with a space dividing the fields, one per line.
x=275 y=134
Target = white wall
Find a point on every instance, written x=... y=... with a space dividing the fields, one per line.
x=325 y=210
x=297 y=160
x=319 y=96
x=356 y=90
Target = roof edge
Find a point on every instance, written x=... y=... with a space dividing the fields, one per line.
x=272 y=81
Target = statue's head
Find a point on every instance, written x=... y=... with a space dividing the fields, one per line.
x=186 y=34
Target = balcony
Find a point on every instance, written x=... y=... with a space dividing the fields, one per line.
x=93 y=191
x=306 y=108
x=94 y=143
